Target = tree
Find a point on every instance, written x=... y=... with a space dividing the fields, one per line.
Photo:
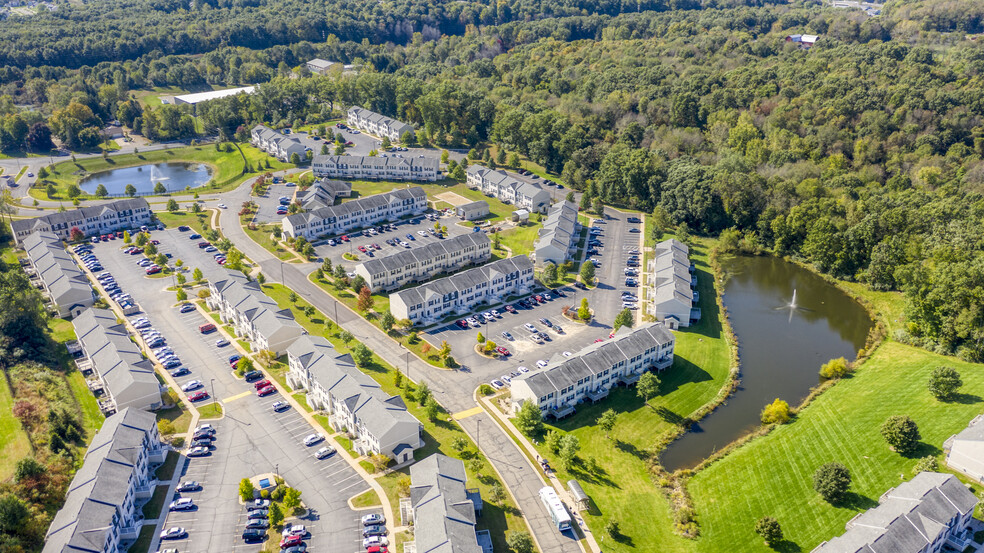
x=776 y=412
x=197 y=274
x=445 y=351
x=569 y=447
x=261 y=278
x=835 y=368
x=159 y=188
x=204 y=293
x=607 y=421
x=520 y=542
x=584 y=311
x=901 y=433
x=13 y=514
x=346 y=337
x=126 y=237
x=445 y=156
x=514 y=160
x=480 y=338
x=431 y=409
x=276 y=514
x=130 y=190
x=150 y=249
x=295 y=159
x=365 y=301
x=246 y=490
x=28 y=467
x=476 y=465
x=588 y=273
x=497 y=494
x=459 y=443
x=172 y=205
x=423 y=392
x=196 y=208
x=74 y=191
x=160 y=259
x=181 y=295
x=178 y=263
x=648 y=387
x=928 y=463
x=385 y=144
x=944 y=382
x=292 y=499
x=50 y=190
x=624 y=318
x=245 y=364
x=387 y=322
x=529 y=420
x=28 y=413
x=379 y=462
x=361 y=354
x=292 y=297
x=769 y=529
x=831 y=481
x=358 y=283
x=76 y=235
x=549 y=273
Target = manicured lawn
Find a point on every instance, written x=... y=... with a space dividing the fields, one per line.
x=301 y=398
x=179 y=417
x=61 y=330
x=227 y=167
x=210 y=411
x=368 y=498
x=166 y=471
x=142 y=545
x=497 y=209
x=520 y=240
x=197 y=221
x=92 y=417
x=264 y=237
x=14 y=444
x=152 y=509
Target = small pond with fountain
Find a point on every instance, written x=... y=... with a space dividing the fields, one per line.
x=788 y=322
x=173 y=176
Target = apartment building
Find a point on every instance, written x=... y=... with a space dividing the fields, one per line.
x=376 y=124
x=508 y=189
x=965 y=450
x=557 y=240
x=323 y=194
x=114 y=366
x=673 y=285
x=356 y=214
x=102 y=510
x=443 y=511
x=462 y=292
x=378 y=422
x=589 y=374
x=252 y=314
x=63 y=281
x=278 y=145
x=922 y=515
x=126 y=214
x=417 y=264
x=385 y=167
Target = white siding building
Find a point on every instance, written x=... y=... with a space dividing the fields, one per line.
x=557 y=240
x=590 y=373
x=64 y=283
x=323 y=194
x=965 y=451
x=443 y=510
x=378 y=422
x=253 y=315
x=356 y=214
x=376 y=124
x=508 y=189
x=109 y=217
x=673 y=285
x=461 y=293
x=102 y=507
x=381 y=167
x=278 y=145
x=407 y=266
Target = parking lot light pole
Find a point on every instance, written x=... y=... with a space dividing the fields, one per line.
x=478 y=435
x=213 y=390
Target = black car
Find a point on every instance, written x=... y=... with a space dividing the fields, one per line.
x=184 y=228
x=181 y=372
x=259 y=513
x=633 y=220
x=201 y=443
x=253 y=376
x=204 y=433
x=252 y=535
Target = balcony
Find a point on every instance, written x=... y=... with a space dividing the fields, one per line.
x=129 y=532
x=629 y=379
x=597 y=395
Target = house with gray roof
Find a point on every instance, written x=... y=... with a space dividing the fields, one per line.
x=63 y=281
x=253 y=315
x=383 y=166
x=407 y=266
x=320 y=66
x=377 y=124
x=125 y=214
x=462 y=292
x=323 y=194
x=102 y=510
x=472 y=211
x=444 y=511
x=278 y=145
x=377 y=422
x=508 y=189
x=672 y=287
x=922 y=515
x=557 y=240
x=356 y=214
x=965 y=451
x=114 y=366
x=589 y=374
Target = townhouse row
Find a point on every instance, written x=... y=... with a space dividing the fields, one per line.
x=589 y=374
x=462 y=292
x=378 y=423
x=356 y=214
x=114 y=366
x=444 y=256
x=322 y=193
x=508 y=189
x=127 y=214
x=278 y=145
x=443 y=511
x=377 y=124
x=63 y=281
x=102 y=510
x=252 y=314
x=557 y=240
x=673 y=286
x=384 y=167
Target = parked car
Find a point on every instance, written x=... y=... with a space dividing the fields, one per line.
x=497 y=384
x=503 y=351
x=258 y=504
x=198 y=396
x=173 y=533
x=183 y=371
x=279 y=406
x=183 y=504
x=257 y=524
x=290 y=541
x=296 y=530
x=221 y=343
x=191 y=385
x=312 y=439
x=252 y=376
x=263 y=392
x=254 y=535
x=507 y=336
x=188 y=486
x=198 y=452
x=374 y=530
x=187 y=307
x=326 y=451
x=373 y=519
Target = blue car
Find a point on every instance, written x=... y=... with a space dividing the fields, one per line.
x=410 y=237
x=187 y=307
x=181 y=372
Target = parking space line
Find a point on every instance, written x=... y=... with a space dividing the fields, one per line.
x=230 y=399
x=467 y=413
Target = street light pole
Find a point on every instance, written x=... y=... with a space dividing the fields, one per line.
x=478 y=435
x=213 y=390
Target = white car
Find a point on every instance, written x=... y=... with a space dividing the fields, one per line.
x=547 y=297
x=173 y=533
x=222 y=206
x=326 y=451
x=422 y=232
x=541 y=363
x=221 y=343
x=529 y=327
x=193 y=385
x=373 y=518
x=205 y=426
x=498 y=385
x=523 y=370
x=506 y=378
x=183 y=504
x=312 y=439
x=568 y=354
x=375 y=541
x=495 y=313
x=296 y=530
x=472 y=321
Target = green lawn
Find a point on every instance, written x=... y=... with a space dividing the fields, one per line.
x=210 y=411
x=369 y=498
x=227 y=167
x=61 y=330
x=198 y=221
x=142 y=545
x=152 y=509
x=263 y=235
x=166 y=471
x=13 y=439
x=92 y=417
x=497 y=209
x=520 y=240
x=179 y=417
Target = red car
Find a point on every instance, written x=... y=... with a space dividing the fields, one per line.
x=377 y=549
x=377 y=246
x=198 y=396
x=136 y=251
x=261 y=384
x=155 y=242
x=262 y=392
x=291 y=541
x=510 y=309
x=153 y=270
x=344 y=238
x=599 y=340
x=350 y=143
x=462 y=323
x=503 y=351
x=112 y=237
x=362 y=249
x=119 y=234
x=539 y=298
x=220 y=261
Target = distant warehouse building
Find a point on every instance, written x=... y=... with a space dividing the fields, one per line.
x=320 y=66
x=199 y=97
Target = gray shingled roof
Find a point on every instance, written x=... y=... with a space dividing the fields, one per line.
x=63 y=279
x=427 y=252
x=444 y=517
x=83 y=213
x=248 y=299
x=464 y=280
x=357 y=205
x=419 y=163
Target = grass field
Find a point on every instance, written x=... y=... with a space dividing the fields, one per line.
x=366 y=499
x=197 y=221
x=227 y=167
x=264 y=237
x=13 y=439
x=179 y=417
x=92 y=417
x=210 y=411
x=520 y=240
x=497 y=209
x=61 y=330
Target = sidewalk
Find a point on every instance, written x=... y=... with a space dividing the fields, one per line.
x=175 y=479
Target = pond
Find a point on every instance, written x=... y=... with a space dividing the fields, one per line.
x=788 y=321
x=174 y=177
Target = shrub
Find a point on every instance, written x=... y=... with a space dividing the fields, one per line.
x=926 y=464
x=769 y=529
x=944 y=382
x=246 y=490
x=901 y=433
x=265 y=494
x=486 y=390
x=776 y=412
x=835 y=368
x=832 y=481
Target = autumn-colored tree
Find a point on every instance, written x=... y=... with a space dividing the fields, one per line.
x=365 y=299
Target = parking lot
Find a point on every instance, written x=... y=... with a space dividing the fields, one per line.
x=251 y=438
x=605 y=299
x=267 y=205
